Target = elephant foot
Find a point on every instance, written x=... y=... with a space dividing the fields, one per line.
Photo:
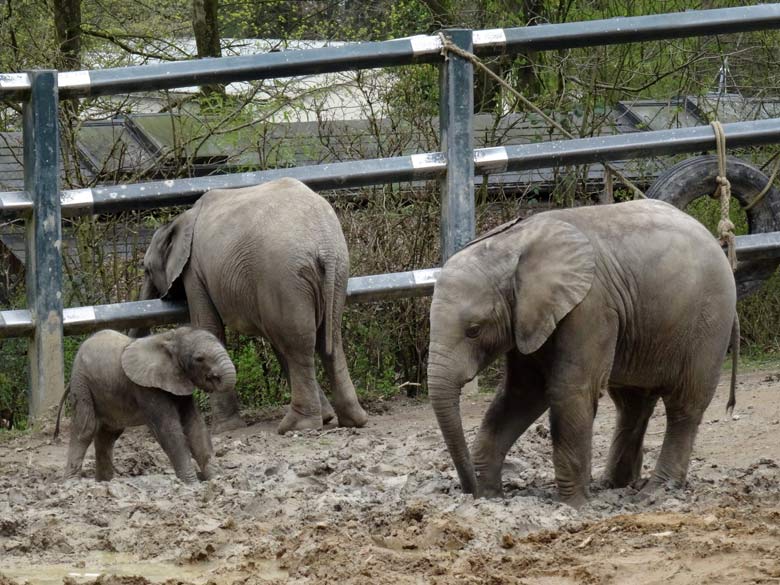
x=210 y=471
x=294 y=421
x=576 y=501
x=354 y=416
x=328 y=414
x=489 y=492
x=228 y=424
x=187 y=476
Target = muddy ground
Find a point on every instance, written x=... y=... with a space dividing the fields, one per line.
x=380 y=505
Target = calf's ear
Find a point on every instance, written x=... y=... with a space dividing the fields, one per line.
x=152 y=362
x=554 y=273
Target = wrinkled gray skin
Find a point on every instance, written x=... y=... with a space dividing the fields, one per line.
x=118 y=382
x=636 y=298
x=268 y=260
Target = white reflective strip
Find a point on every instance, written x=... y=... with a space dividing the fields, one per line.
x=73 y=79
x=77 y=198
x=426 y=276
x=425 y=44
x=11 y=200
x=14 y=81
x=421 y=161
x=17 y=317
x=79 y=315
x=492 y=36
x=493 y=159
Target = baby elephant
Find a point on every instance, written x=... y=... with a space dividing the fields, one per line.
x=120 y=382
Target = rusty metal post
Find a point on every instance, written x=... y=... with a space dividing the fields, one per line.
x=43 y=242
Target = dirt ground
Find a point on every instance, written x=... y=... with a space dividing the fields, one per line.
x=381 y=505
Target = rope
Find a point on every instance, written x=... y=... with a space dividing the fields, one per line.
x=723 y=191
x=768 y=185
x=447 y=46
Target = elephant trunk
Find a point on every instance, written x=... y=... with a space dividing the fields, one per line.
x=227 y=375
x=148 y=291
x=444 y=394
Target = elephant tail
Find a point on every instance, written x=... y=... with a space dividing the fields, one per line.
x=329 y=294
x=734 y=359
x=59 y=412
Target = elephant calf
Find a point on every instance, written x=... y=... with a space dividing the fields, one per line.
x=119 y=382
x=635 y=297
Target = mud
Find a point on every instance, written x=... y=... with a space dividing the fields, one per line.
x=381 y=505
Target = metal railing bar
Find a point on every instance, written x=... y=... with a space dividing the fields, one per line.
x=632 y=29
x=417 y=49
x=77 y=320
x=419 y=167
x=360 y=289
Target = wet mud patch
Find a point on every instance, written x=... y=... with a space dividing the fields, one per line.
x=381 y=505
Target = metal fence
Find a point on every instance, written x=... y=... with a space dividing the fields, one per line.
x=42 y=202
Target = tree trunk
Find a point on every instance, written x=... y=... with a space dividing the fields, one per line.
x=67 y=20
x=205 y=25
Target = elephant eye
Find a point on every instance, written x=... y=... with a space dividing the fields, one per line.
x=473 y=331
x=199 y=359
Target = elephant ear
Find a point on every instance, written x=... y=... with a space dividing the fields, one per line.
x=151 y=362
x=554 y=273
x=169 y=250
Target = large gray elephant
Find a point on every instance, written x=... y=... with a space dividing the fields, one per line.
x=120 y=382
x=636 y=298
x=267 y=260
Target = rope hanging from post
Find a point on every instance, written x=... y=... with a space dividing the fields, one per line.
x=723 y=192
x=448 y=46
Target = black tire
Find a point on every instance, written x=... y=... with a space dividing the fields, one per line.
x=695 y=177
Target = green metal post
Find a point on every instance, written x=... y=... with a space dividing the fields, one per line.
x=457 y=143
x=44 y=242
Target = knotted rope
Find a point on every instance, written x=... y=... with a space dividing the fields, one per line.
x=723 y=192
x=447 y=46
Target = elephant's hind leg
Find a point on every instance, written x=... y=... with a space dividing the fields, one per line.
x=682 y=424
x=519 y=402
x=104 y=453
x=345 y=400
x=634 y=408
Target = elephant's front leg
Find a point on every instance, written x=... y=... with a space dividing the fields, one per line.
x=225 y=407
x=572 y=410
x=517 y=404
x=198 y=438
x=162 y=416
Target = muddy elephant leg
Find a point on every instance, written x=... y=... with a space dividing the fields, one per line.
x=198 y=438
x=328 y=414
x=682 y=424
x=518 y=403
x=162 y=417
x=634 y=408
x=225 y=407
x=348 y=409
x=83 y=427
x=104 y=452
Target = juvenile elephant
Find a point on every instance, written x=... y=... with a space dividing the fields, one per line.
x=268 y=260
x=119 y=382
x=635 y=297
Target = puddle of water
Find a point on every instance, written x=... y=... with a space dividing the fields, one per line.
x=96 y=564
